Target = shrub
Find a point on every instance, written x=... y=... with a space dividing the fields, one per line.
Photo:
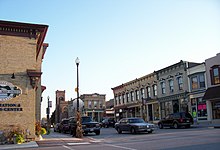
x=38 y=128
x=19 y=138
x=43 y=131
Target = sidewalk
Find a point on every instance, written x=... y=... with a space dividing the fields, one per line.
x=53 y=137
x=206 y=124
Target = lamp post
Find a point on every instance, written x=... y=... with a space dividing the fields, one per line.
x=78 y=116
x=48 y=113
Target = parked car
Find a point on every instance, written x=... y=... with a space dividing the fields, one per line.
x=134 y=125
x=64 y=125
x=88 y=125
x=57 y=127
x=176 y=120
x=108 y=122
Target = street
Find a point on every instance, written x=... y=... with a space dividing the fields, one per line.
x=109 y=139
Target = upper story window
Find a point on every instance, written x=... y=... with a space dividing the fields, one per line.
x=100 y=105
x=95 y=104
x=142 y=93
x=194 y=82
x=171 y=85
x=116 y=100
x=132 y=96
x=155 y=90
x=148 y=92
x=163 y=87
x=215 y=75
x=198 y=81
x=180 y=83
x=89 y=104
x=127 y=97
x=119 y=101
x=123 y=98
x=202 y=81
x=137 y=94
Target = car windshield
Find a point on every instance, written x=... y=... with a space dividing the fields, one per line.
x=136 y=120
x=86 y=119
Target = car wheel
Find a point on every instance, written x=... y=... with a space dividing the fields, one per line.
x=133 y=131
x=119 y=130
x=175 y=125
x=97 y=132
x=160 y=125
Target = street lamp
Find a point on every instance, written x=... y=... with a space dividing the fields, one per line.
x=48 y=113
x=78 y=117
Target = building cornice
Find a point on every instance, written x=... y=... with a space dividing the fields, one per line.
x=35 y=31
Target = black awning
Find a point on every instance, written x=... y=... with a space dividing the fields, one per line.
x=212 y=93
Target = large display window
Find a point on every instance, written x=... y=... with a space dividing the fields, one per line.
x=216 y=110
x=201 y=109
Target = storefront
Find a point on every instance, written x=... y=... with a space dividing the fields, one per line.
x=153 y=114
x=212 y=98
x=198 y=109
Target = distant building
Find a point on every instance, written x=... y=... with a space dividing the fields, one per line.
x=94 y=105
x=109 y=109
x=61 y=111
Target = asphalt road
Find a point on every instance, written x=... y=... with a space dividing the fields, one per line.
x=109 y=139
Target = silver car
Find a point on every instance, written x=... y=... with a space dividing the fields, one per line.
x=134 y=125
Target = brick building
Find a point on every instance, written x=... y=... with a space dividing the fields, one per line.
x=22 y=50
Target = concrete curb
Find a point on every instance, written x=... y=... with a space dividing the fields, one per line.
x=31 y=144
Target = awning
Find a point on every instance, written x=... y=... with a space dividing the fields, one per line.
x=212 y=93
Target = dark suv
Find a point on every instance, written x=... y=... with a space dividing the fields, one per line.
x=64 y=125
x=88 y=125
x=108 y=122
x=176 y=120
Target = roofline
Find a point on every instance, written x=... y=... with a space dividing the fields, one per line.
x=37 y=31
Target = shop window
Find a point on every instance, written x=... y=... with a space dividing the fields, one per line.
x=162 y=110
x=156 y=111
x=216 y=110
x=201 y=109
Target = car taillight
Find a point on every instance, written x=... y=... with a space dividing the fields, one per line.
x=181 y=120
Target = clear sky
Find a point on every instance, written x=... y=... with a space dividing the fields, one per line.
x=116 y=40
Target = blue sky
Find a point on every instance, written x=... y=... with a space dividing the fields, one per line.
x=116 y=40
